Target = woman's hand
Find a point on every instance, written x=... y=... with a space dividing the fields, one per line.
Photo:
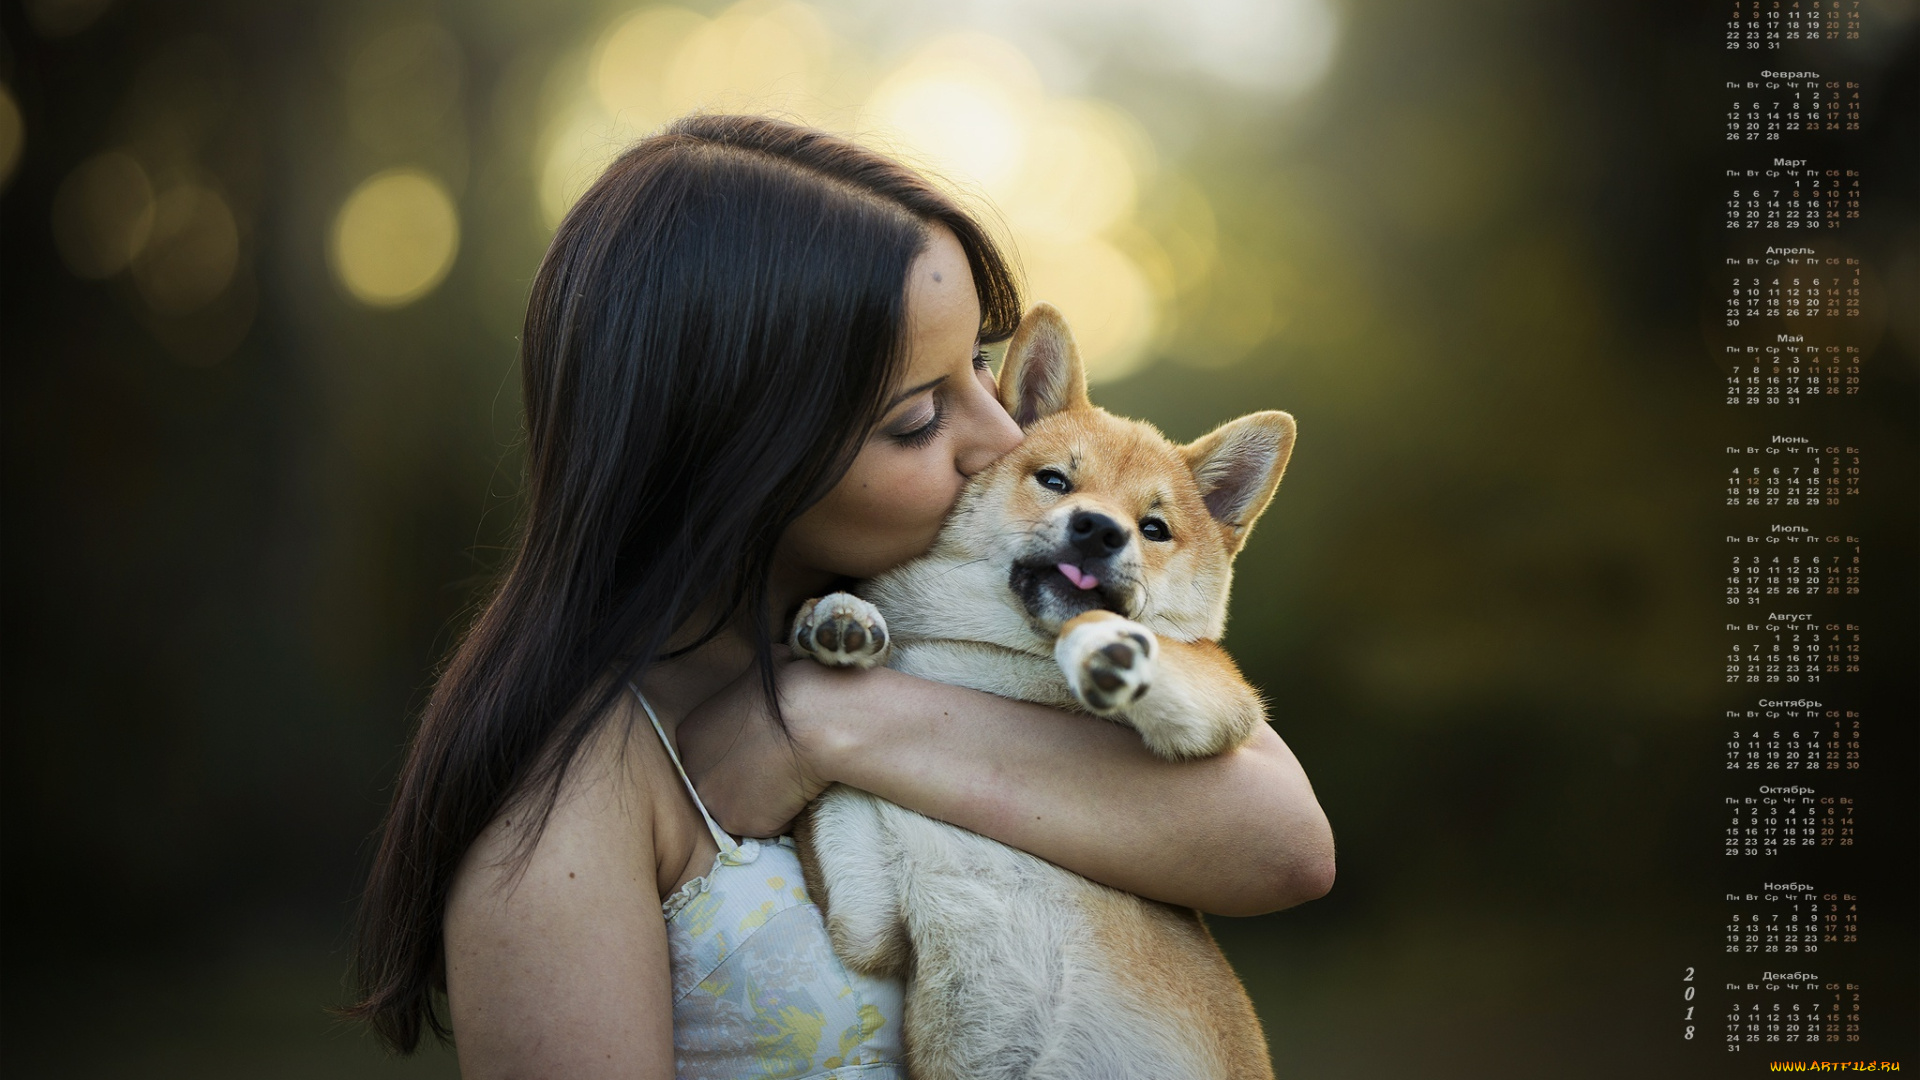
x=754 y=777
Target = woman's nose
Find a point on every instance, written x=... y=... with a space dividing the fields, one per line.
x=994 y=434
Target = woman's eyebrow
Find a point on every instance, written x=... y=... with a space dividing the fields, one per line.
x=905 y=394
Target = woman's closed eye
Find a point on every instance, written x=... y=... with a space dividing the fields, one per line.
x=922 y=426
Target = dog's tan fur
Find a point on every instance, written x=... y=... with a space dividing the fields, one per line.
x=1015 y=967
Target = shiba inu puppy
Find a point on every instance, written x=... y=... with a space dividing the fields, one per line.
x=1087 y=569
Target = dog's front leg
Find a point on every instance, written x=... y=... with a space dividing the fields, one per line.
x=1200 y=704
x=847 y=849
x=1186 y=699
x=853 y=862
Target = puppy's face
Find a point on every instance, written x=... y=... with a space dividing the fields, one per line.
x=1093 y=511
x=1096 y=511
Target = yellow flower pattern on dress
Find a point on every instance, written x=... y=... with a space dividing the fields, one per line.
x=758 y=993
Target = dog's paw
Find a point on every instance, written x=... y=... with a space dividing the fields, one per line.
x=841 y=630
x=1109 y=661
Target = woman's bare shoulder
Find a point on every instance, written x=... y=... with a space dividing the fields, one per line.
x=603 y=812
x=557 y=957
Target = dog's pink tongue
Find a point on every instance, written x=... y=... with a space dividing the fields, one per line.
x=1080 y=580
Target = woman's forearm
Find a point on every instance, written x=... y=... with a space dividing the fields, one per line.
x=1236 y=834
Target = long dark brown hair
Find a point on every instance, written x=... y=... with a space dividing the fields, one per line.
x=708 y=342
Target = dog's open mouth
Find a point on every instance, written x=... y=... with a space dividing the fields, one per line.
x=1053 y=592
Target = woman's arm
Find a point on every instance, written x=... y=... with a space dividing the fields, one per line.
x=1237 y=834
x=560 y=967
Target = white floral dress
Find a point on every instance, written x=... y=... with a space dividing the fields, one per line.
x=757 y=992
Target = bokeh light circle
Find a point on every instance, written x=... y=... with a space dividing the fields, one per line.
x=754 y=55
x=394 y=238
x=1073 y=184
x=631 y=58
x=1081 y=175
x=963 y=105
x=192 y=252
x=1105 y=297
x=103 y=214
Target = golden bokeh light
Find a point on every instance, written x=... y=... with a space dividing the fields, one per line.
x=625 y=98
x=1063 y=173
x=767 y=56
x=962 y=106
x=630 y=62
x=1106 y=300
x=1082 y=172
x=13 y=133
x=395 y=238
x=656 y=63
x=1065 y=176
x=103 y=214
x=578 y=147
x=1182 y=219
x=191 y=254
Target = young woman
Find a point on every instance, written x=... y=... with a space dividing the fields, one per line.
x=752 y=369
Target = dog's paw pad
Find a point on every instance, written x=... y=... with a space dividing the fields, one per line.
x=841 y=630
x=1109 y=663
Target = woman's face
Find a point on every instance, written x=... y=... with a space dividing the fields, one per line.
x=940 y=425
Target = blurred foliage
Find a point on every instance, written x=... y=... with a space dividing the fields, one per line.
x=258 y=465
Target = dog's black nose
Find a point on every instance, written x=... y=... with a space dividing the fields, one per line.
x=1095 y=535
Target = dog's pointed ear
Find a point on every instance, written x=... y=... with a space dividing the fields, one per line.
x=1042 y=374
x=1238 y=465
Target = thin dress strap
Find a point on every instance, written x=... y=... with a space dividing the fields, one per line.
x=720 y=837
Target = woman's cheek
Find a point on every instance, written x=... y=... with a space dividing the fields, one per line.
x=920 y=500
x=942 y=488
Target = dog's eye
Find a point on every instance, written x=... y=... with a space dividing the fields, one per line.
x=1054 y=480
x=1156 y=530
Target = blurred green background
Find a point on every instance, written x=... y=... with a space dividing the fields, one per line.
x=264 y=265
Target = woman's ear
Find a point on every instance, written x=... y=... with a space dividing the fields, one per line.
x=1237 y=466
x=1042 y=374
